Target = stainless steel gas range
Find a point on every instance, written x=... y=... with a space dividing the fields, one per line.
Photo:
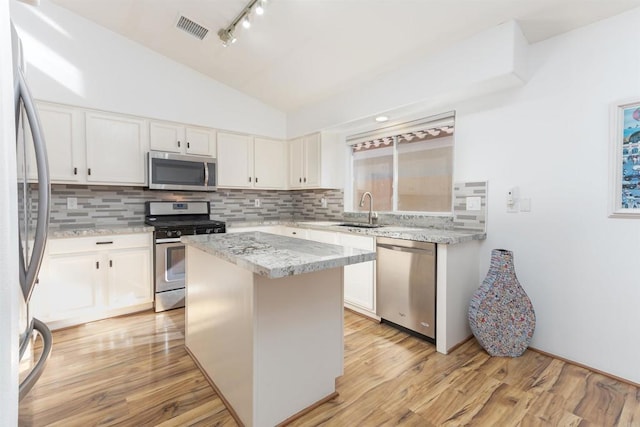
x=170 y=221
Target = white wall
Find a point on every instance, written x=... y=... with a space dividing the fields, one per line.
x=550 y=138
x=9 y=286
x=74 y=61
x=489 y=61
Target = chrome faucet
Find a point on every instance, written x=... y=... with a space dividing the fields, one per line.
x=366 y=193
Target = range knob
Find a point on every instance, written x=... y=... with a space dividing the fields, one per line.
x=208 y=230
x=178 y=233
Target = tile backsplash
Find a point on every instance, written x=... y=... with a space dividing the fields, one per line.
x=463 y=218
x=106 y=206
x=100 y=206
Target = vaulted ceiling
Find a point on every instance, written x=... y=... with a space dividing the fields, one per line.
x=302 y=51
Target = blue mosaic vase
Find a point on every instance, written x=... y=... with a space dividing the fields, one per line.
x=501 y=315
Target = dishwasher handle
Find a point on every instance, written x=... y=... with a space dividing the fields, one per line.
x=406 y=249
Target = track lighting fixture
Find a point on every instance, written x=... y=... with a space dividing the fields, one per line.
x=226 y=34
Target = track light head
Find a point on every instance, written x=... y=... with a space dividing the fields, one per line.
x=226 y=37
x=245 y=21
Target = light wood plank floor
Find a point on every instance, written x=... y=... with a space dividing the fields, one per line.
x=134 y=371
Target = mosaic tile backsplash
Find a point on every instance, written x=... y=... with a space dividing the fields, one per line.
x=103 y=206
x=107 y=206
x=470 y=220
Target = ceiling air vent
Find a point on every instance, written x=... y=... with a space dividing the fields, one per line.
x=191 y=27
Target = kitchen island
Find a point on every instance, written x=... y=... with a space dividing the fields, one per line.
x=264 y=320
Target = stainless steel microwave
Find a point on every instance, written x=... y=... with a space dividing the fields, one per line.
x=171 y=171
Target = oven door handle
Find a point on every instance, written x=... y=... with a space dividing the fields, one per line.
x=168 y=240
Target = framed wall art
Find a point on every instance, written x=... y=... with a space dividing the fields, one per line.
x=625 y=159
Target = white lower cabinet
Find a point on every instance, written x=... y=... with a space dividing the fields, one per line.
x=89 y=278
x=359 y=279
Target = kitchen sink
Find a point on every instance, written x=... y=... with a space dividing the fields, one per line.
x=359 y=225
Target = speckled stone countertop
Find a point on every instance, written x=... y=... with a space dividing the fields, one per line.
x=59 y=233
x=276 y=256
x=418 y=234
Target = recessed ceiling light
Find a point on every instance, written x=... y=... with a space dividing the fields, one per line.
x=381 y=119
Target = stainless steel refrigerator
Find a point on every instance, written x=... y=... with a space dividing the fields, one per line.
x=34 y=196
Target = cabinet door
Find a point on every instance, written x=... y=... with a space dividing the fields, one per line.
x=269 y=162
x=64 y=137
x=68 y=286
x=166 y=137
x=296 y=163
x=359 y=284
x=235 y=160
x=129 y=277
x=116 y=149
x=200 y=141
x=312 y=159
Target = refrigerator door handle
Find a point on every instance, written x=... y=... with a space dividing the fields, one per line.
x=47 y=342
x=44 y=190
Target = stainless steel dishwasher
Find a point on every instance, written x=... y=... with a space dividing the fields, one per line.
x=406 y=284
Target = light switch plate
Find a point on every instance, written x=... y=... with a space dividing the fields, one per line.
x=474 y=203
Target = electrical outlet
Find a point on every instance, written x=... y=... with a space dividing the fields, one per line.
x=257 y=203
x=323 y=202
x=72 y=203
x=474 y=203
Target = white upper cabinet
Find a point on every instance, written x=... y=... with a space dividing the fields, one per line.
x=235 y=160
x=315 y=162
x=116 y=148
x=63 y=130
x=178 y=138
x=269 y=163
x=200 y=141
x=248 y=162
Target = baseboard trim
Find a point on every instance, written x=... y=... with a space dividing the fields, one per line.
x=587 y=367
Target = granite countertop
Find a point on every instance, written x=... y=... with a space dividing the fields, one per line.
x=59 y=233
x=419 y=234
x=275 y=256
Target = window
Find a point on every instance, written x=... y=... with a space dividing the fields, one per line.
x=409 y=168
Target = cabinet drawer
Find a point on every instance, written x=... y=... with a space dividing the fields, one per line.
x=99 y=243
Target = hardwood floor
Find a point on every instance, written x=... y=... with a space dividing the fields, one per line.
x=134 y=371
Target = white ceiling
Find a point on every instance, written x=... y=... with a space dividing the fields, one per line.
x=302 y=51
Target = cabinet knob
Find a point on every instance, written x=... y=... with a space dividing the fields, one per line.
x=178 y=144
x=256 y=179
x=249 y=179
x=305 y=179
x=188 y=144
x=300 y=179
x=97 y=265
x=89 y=171
x=110 y=263
x=75 y=171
